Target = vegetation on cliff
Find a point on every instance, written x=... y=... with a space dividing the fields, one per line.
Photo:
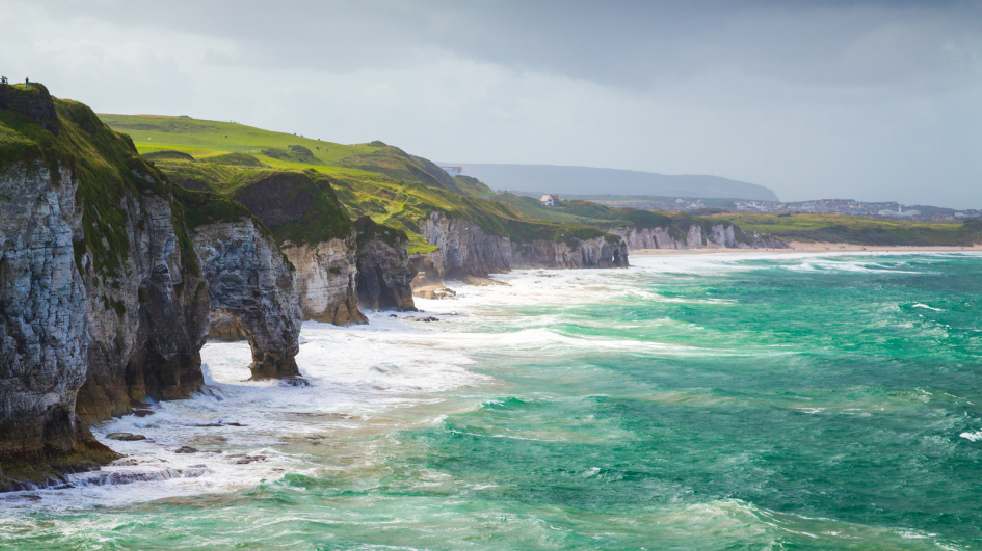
x=59 y=150
x=380 y=181
x=834 y=228
x=104 y=161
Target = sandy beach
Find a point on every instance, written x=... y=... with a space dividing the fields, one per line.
x=801 y=247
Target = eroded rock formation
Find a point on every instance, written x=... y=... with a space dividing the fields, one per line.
x=326 y=280
x=253 y=294
x=314 y=232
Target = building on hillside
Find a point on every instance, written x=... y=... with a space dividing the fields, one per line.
x=549 y=200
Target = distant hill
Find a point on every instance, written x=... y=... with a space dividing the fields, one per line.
x=581 y=180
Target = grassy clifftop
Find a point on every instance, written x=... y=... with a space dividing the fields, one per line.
x=380 y=181
x=36 y=127
x=834 y=228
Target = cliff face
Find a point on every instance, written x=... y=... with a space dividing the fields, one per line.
x=384 y=274
x=465 y=248
x=43 y=326
x=695 y=236
x=253 y=294
x=317 y=237
x=101 y=299
x=326 y=280
x=148 y=319
x=596 y=252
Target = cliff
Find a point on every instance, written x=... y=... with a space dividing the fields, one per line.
x=608 y=251
x=384 y=273
x=307 y=222
x=316 y=235
x=326 y=280
x=465 y=248
x=694 y=235
x=43 y=328
x=253 y=294
x=103 y=303
x=148 y=318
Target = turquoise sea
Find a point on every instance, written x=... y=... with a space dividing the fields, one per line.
x=691 y=402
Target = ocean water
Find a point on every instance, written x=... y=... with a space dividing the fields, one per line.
x=690 y=402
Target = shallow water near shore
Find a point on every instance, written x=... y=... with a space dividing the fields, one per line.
x=799 y=401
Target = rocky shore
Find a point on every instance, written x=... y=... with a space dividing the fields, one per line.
x=112 y=276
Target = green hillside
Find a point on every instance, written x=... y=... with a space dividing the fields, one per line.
x=377 y=180
x=834 y=228
x=35 y=126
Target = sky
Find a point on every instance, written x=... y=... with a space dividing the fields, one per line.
x=872 y=100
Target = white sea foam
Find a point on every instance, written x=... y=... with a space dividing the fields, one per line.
x=237 y=428
x=972 y=436
x=240 y=428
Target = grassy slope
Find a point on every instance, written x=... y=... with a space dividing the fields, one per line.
x=399 y=190
x=375 y=179
x=833 y=228
x=104 y=161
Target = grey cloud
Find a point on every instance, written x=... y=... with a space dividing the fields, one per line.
x=866 y=99
x=621 y=43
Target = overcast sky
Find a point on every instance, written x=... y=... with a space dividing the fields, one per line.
x=874 y=100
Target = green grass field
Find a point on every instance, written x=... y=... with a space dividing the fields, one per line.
x=377 y=180
x=399 y=190
x=833 y=228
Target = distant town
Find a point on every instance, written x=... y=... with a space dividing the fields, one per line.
x=879 y=209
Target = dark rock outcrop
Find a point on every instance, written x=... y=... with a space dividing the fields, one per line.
x=33 y=102
x=384 y=275
x=253 y=294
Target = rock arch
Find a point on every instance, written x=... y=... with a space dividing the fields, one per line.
x=253 y=294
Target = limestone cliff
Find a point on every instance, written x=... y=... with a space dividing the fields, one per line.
x=597 y=252
x=43 y=327
x=102 y=301
x=465 y=249
x=253 y=294
x=384 y=274
x=314 y=231
x=326 y=280
x=694 y=235
x=147 y=318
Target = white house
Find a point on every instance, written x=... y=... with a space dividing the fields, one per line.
x=549 y=200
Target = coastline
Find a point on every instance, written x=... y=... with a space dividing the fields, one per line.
x=802 y=247
x=419 y=406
